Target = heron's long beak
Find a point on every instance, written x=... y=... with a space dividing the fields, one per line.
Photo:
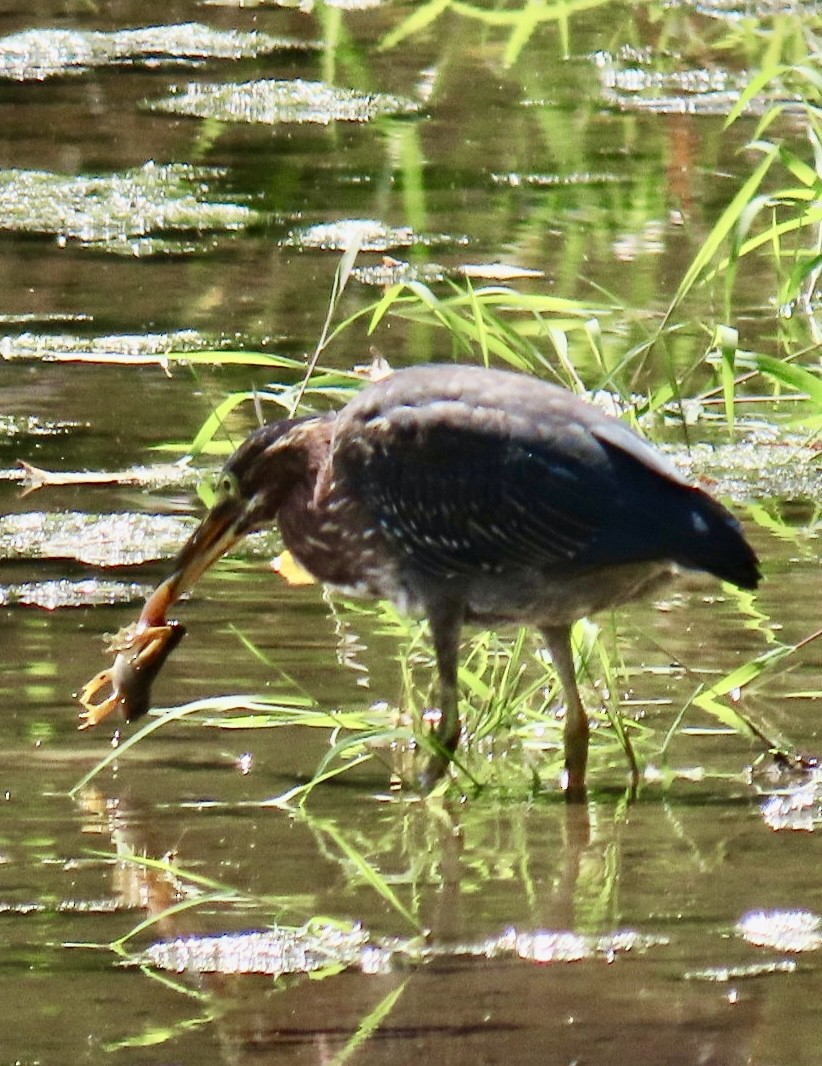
x=216 y=534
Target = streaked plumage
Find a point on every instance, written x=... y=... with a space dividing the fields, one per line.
x=470 y=494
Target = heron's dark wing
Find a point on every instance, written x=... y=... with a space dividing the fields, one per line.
x=465 y=467
x=458 y=488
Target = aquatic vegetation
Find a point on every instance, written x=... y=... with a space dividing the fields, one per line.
x=271 y=102
x=34 y=55
x=132 y=213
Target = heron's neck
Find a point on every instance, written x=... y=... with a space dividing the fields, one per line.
x=298 y=468
x=324 y=528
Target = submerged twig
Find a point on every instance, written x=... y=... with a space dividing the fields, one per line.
x=33 y=478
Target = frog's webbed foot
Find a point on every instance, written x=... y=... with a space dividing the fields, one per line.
x=94 y=713
x=144 y=643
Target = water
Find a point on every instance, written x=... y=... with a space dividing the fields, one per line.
x=486 y=927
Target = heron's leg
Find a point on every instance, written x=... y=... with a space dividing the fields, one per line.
x=445 y=617
x=558 y=639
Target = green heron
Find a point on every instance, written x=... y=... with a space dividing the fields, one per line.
x=466 y=495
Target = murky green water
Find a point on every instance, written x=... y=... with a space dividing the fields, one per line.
x=150 y=202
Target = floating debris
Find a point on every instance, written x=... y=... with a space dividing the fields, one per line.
x=23 y=909
x=766 y=467
x=26 y=318
x=289 y=950
x=305 y=6
x=65 y=906
x=35 y=55
x=585 y=178
x=723 y=974
x=794 y=931
x=123 y=348
x=650 y=240
x=109 y=540
x=629 y=82
x=98 y=540
x=158 y=476
x=119 y=212
x=281 y=950
x=55 y=595
x=796 y=809
x=369 y=235
x=350 y=5
x=498 y=271
x=546 y=946
x=271 y=102
x=32 y=426
x=739 y=10
x=398 y=272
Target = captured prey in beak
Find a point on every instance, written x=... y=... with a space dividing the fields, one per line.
x=142 y=648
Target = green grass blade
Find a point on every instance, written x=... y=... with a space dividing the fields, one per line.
x=420 y=18
x=751 y=90
x=367 y=872
x=369 y=1025
x=727 y=221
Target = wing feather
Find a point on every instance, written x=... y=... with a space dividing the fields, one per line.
x=466 y=468
x=457 y=489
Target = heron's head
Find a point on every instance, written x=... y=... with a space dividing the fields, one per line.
x=250 y=490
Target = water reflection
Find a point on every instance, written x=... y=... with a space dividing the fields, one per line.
x=446 y=995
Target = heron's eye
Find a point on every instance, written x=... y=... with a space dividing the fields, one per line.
x=227 y=488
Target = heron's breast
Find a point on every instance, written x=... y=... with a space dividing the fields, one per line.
x=336 y=541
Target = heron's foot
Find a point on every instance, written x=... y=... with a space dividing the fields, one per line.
x=576 y=754
x=575 y=790
x=435 y=768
